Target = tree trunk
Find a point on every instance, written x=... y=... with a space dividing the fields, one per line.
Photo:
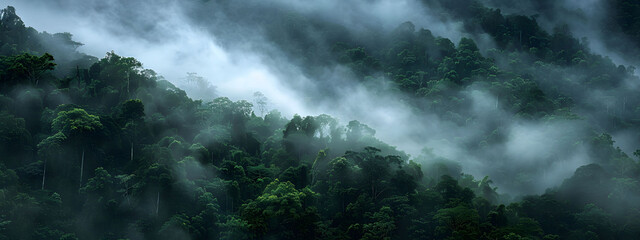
x=81 y=166
x=132 y=151
x=158 y=203
x=44 y=172
x=128 y=80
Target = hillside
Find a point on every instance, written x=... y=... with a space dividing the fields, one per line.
x=516 y=127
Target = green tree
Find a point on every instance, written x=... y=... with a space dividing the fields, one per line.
x=100 y=184
x=25 y=67
x=382 y=226
x=51 y=148
x=132 y=114
x=282 y=212
x=356 y=131
x=375 y=169
x=78 y=125
x=459 y=222
x=298 y=136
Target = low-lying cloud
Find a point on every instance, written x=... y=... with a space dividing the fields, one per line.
x=238 y=60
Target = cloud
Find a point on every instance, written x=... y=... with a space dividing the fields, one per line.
x=228 y=43
x=588 y=19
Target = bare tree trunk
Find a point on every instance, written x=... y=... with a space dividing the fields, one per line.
x=44 y=172
x=158 y=203
x=132 y=151
x=81 y=166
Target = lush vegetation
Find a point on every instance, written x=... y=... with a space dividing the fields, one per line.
x=106 y=149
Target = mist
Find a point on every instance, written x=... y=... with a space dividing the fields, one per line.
x=587 y=20
x=228 y=45
x=366 y=119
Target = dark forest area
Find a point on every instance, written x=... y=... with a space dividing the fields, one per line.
x=104 y=148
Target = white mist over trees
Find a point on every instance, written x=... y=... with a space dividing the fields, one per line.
x=397 y=117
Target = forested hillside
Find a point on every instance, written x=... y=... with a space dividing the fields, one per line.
x=518 y=126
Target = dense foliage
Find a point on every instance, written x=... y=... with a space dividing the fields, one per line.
x=105 y=149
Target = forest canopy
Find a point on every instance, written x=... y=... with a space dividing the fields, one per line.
x=104 y=148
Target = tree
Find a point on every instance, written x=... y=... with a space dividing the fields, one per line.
x=298 y=135
x=319 y=168
x=152 y=180
x=177 y=227
x=197 y=86
x=78 y=125
x=459 y=222
x=382 y=226
x=328 y=130
x=17 y=68
x=261 y=102
x=282 y=212
x=375 y=169
x=100 y=184
x=132 y=114
x=205 y=224
x=50 y=147
x=9 y=18
x=356 y=131
x=114 y=79
x=452 y=193
x=299 y=176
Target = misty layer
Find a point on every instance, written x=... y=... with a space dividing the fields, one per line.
x=124 y=143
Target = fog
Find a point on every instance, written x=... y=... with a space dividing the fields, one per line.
x=171 y=47
x=586 y=20
x=227 y=44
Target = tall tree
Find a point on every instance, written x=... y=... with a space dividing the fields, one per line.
x=80 y=126
x=23 y=68
x=50 y=148
x=132 y=114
